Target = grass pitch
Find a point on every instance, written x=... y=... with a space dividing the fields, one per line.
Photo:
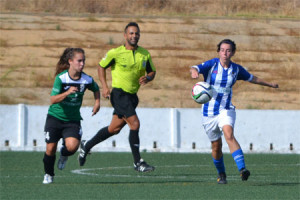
x=177 y=176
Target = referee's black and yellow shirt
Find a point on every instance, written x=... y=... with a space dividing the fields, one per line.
x=127 y=66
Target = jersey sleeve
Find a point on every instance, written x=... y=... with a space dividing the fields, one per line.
x=93 y=86
x=206 y=66
x=56 y=86
x=108 y=60
x=149 y=66
x=244 y=74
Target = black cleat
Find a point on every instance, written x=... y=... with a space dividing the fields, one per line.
x=142 y=166
x=222 y=178
x=82 y=153
x=244 y=173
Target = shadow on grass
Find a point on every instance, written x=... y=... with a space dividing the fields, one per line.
x=149 y=182
x=277 y=184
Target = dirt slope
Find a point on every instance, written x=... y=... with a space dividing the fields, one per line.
x=268 y=48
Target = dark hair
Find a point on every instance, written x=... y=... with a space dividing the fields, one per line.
x=131 y=24
x=63 y=62
x=227 y=41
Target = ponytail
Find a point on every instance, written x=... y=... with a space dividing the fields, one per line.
x=63 y=63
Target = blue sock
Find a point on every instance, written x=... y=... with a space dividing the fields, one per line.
x=238 y=157
x=219 y=165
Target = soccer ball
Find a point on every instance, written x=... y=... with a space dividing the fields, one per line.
x=202 y=92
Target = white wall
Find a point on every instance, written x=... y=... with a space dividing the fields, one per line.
x=173 y=130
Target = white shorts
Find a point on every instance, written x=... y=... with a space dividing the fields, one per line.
x=213 y=125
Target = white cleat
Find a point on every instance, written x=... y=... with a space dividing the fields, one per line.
x=47 y=179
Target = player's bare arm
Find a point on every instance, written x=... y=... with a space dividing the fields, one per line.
x=60 y=97
x=102 y=78
x=259 y=81
x=96 y=107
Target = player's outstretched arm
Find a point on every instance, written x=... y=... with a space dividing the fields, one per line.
x=259 y=81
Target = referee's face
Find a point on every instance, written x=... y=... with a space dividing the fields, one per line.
x=132 y=36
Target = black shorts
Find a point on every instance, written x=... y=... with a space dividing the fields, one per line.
x=124 y=103
x=55 y=129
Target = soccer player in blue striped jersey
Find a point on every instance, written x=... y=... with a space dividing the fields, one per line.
x=219 y=113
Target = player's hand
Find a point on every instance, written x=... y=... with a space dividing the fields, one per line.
x=72 y=90
x=274 y=85
x=106 y=93
x=194 y=73
x=96 y=108
x=143 y=80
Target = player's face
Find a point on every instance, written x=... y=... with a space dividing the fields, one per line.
x=132 y=36
x=77 y=63
x=225 y=52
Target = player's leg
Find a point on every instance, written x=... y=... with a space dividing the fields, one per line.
x=134 y=140
x=133 y=122
x=227 y=124
x=114 y=128
x=139 y=164
x=217 y=156
x=52 y=136
x=49 y=161
x=214 y=134
x=71 y=133
x=230 y=139
x=70 y=147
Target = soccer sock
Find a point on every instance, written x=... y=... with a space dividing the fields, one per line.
x=64 y=151
x=101 y=135
x=219 y=165
x=238 y=157
x=49 y=164
x=134 y=142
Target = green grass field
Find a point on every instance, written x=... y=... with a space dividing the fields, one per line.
x=177 y=176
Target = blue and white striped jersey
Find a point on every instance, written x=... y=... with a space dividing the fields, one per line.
x=221 y=81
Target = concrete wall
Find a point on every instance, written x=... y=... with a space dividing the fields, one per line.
x=162 y=130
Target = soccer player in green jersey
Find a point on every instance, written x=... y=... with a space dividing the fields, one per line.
x=131 y=66
x=63 y=119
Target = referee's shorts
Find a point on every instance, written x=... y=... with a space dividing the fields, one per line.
x=123 y=102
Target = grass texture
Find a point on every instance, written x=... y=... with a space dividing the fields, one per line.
x=177 y=176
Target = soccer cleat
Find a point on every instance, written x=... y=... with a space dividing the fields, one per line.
x=142 y=166
x=244 y=173
x=48 y=179
x=222 y=178
x=82 y=153
x=62 y=161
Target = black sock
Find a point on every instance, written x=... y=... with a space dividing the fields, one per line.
x=64 y=151
x=134 y=142
x=49 y=164
x=101 y=135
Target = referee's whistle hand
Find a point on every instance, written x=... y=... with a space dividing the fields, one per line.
x=143 y=80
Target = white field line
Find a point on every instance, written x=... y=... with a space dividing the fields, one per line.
x=198 y=177
x=88 y=172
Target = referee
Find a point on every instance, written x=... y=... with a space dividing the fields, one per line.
x=131 y=66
